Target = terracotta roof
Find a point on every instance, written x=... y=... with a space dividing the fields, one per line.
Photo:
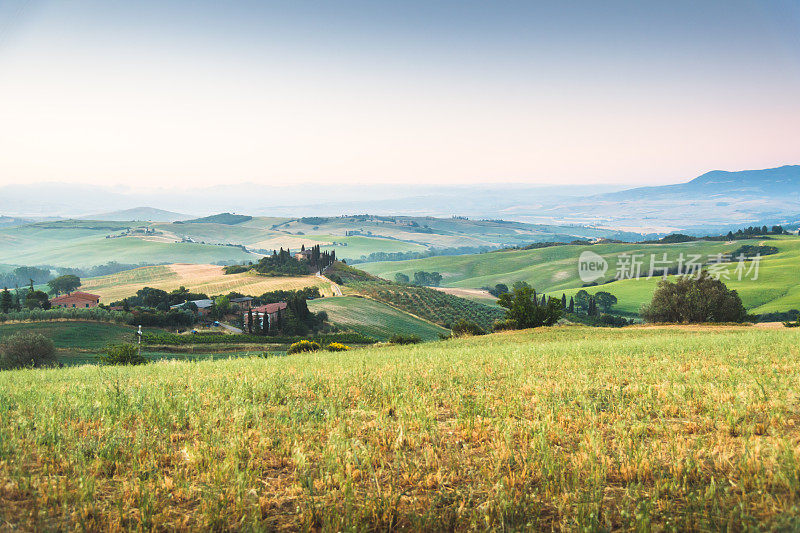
x=270 y=308
x=76 y=295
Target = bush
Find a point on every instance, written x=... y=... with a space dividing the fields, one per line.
x=465 y=327
x=694 y=300
x=337 y=347
x=122 y=354
x=398 y=338
x=505 y=325
x=25 y=349
x=304 y=346
x=792 y=324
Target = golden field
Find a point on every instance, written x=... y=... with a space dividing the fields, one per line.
x=567 y=428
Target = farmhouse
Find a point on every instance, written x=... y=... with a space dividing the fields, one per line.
x=242 y=304
x=76 y=299
x=273 y=313
x=203 y=306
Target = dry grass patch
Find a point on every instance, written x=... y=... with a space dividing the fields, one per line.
x=209 y=279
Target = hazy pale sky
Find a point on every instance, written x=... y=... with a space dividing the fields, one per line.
x=197 y=93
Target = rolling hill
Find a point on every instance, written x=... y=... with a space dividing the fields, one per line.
x=374 y=319
x=236 y=238
x=208 y=279
x=554 y=270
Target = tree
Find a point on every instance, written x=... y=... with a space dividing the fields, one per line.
x=522 y=308
x=592 y=311
x=429 y=279
x=497 y=290
x=563 y=300
x=64 y=284
x=6 y=301
x=694 y=300
x=25 y=349
x=37 y=300
x=605 y=300
x=222 y=306
x=250 y=321
x=582 y=301
x=571 y=308
x=401 y=278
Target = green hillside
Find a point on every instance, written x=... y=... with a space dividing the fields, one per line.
x=374 y=319
x=555 y=270
x=777 y=288
x=566 y=428
x=76 y=243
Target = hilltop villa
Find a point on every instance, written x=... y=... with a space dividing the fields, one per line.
x=76 y=299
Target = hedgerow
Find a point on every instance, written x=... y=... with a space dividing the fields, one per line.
x=173 y=339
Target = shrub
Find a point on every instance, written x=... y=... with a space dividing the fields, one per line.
x=505 y=325
x=337 y=347
x=26 y=349
x=465 y=327
x=792 y=324
x=122 y=354
x=398 y=338
x=304 y=346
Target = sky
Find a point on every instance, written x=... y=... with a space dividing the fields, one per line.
x=189 y=94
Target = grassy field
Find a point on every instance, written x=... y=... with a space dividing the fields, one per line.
x=77 y=342
x=84 y=243
x=776 y=289
x=564 y=428
x=208 y=279
x=374 y=319
x=555 y=271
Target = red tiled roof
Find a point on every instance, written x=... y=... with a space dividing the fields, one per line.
x=270 y=308
x=77 y=295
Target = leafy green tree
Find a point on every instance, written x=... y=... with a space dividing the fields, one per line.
x=524 y=310
x=401 y=278
x=64 y=284
x=692 y=299
x=605 y=300
x=37 y=300
x=6 y=301
x=582 y=299
x=428 y=279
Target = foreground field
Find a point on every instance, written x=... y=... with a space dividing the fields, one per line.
x=208 y=279
x=565 y=428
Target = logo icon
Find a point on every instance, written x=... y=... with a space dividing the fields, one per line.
x=591 y=266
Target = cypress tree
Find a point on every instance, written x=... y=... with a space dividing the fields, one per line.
x=6 y=302
x=563 y=301
x=250 y=321
x=571 y=307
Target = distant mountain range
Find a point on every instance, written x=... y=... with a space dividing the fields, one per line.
x=714 y=201
x=140 y=213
